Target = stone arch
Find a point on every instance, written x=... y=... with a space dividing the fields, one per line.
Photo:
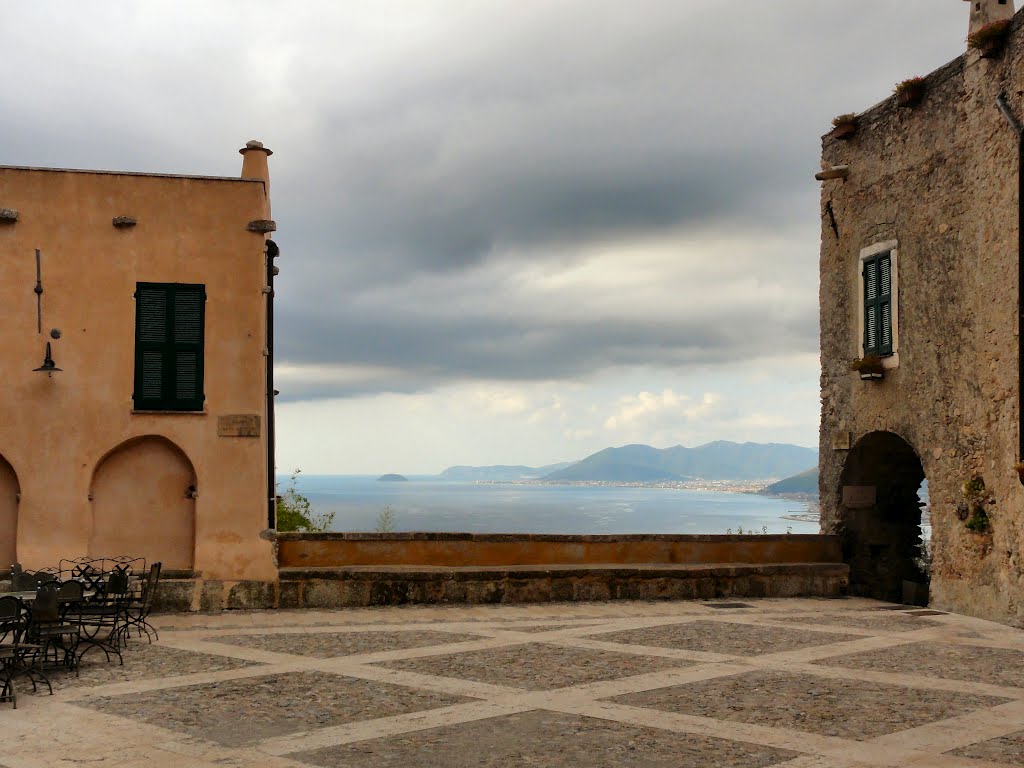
x=10 y=492
x=142 y=499
x=880 y=515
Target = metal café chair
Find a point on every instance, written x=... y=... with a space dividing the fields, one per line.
x=138 y=608
x=18 y=657
x=102 y=620
x=48 y=627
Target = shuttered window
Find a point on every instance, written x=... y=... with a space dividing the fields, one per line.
x=878 y=304
x=169 y=327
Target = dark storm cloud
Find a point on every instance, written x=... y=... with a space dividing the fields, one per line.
x=492 y=137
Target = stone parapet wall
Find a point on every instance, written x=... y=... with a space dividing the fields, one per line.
x=333 y=550
x=325 y=588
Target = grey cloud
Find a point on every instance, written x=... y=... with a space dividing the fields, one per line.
x=509 y=134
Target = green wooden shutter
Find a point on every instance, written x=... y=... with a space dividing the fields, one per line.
x=169 y=337
x=878 y=305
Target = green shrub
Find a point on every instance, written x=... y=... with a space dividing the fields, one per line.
x=294 y=512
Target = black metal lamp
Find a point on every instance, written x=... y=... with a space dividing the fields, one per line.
x=48 y=365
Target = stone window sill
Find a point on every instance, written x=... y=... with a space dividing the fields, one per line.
x=169 y=413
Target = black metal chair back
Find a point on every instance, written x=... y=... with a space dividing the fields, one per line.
x=46 y=608
x=12 y=618
x=149 y=588
x=70 y=591
x=117 y=583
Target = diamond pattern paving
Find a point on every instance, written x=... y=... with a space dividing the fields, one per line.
x=237 y=712
x=724 y=637
x=326 y=645
x=998 y=666
x=530 y=738
x=195 y=698
x=845 y=708
x=1007 y=749
x=537 y=667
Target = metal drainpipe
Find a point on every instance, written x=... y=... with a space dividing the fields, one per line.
x=1004 y=107
x=272 y=252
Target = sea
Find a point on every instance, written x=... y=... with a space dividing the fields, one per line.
x=432 y=504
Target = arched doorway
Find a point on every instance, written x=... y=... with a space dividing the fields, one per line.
x=9 y=490
x=143 y=505
x=880 y=516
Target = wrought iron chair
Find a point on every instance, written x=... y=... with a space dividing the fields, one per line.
x=103 y=620
x=48 y=627
x=17 y=656
x=138 y=608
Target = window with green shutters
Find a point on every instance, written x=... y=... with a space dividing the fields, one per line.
x=169 y=331
x=878 y=304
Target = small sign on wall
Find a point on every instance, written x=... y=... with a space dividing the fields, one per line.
x=859 y=496
x=239 y=425
x=841 y=441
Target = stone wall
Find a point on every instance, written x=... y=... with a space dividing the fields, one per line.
x=941 y=179
x=329 y=550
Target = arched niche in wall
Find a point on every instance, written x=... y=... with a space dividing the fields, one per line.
x=143 y=504
x=9 y=490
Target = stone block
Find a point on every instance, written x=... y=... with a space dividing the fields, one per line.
x=592 y=589
x=212 y=596
x=174 y=596
x=289 y=594
x=536 y=590
x=426 y=592
x=485 y=592
x=454 y=592
x=355 y=593
x=563 y=590
x=250 y=595
x=318 y=593
x=391 y=592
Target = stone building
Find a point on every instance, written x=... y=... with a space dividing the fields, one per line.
x=145 y=431
x=920 y=289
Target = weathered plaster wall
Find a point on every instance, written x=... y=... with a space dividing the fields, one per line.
x=942 y=180
x=56 y=430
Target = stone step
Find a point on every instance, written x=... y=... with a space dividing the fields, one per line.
x=367 y=585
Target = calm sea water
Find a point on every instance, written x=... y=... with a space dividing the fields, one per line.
x=439 y=505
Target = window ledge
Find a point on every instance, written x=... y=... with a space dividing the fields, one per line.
x=169 y=413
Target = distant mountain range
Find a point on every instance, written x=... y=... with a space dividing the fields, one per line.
x=720 y=460
x=502 y=472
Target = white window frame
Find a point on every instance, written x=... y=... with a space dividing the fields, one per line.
x=892 y=246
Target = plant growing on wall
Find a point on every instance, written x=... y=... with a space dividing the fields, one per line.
x=386 y=520
x=977 y=496
x=869 y=367
x=844 y=126
x=910 y=92
x=295 y=513
x=989 y=40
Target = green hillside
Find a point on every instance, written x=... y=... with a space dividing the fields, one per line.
x=804 y=483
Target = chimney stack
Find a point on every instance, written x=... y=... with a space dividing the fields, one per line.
x=986 y=11
x=254 y=166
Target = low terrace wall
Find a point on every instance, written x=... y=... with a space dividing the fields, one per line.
x=459 y=550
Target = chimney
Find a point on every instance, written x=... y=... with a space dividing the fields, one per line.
x=986 y=11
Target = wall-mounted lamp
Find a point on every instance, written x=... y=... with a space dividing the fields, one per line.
x=48 y=365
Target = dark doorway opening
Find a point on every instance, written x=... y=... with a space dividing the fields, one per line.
x=881 y=519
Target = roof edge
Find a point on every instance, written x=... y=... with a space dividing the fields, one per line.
x=36 y=169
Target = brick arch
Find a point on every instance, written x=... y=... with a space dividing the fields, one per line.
x=881 y=529
x=141 y=504
x=10 y=492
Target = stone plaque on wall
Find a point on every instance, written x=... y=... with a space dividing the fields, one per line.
x=841 y=441
x=239 y=425
x=859 y=496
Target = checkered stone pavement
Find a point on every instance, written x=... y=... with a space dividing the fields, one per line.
x=790 y=683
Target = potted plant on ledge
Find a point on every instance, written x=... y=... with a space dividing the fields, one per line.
x=989 y=40
x=910 y=92
x=844 y=126
x=869 y=367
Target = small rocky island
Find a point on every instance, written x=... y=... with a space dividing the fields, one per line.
x=392 y=478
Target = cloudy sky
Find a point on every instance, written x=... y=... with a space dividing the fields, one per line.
x=511 y=231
